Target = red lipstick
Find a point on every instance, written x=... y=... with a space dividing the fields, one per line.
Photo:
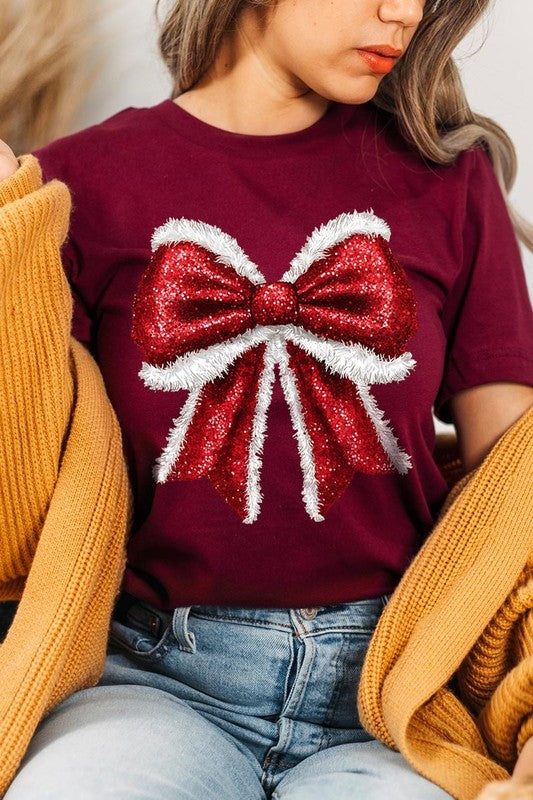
x=379 y=57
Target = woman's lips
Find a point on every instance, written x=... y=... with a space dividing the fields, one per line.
x=380 y=64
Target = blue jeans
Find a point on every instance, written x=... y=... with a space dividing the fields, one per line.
x=221 y=703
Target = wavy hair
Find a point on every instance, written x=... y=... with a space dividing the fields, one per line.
x=42 y=44
x=424 y=91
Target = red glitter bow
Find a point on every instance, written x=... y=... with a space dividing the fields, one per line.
x=336 y=322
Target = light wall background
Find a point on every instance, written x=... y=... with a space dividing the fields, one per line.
x=495 y=62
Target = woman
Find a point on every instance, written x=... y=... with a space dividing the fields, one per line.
x=238 y=640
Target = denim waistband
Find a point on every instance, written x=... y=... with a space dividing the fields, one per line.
x=336 y=616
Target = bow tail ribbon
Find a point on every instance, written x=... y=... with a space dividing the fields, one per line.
x=220 y=431
x=339 y=429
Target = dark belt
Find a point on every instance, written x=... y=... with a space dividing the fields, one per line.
x=129 y=610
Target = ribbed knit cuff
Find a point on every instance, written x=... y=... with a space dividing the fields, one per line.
x=27 y=178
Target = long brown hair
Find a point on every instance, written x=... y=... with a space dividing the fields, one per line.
x=42 y=48
x=424 y=91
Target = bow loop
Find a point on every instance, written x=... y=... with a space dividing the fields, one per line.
x=187 y=300
x=358 y=293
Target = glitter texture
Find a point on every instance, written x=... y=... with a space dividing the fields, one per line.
x=358 y=293
x=193 y=308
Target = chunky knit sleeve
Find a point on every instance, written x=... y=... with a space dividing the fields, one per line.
x=496 y=679
x=64 y=495
x=36 y=388
x=25 y=180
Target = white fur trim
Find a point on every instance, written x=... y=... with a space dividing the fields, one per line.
x=226 y=249
x=264 y=396
x=331 y=233
x=305 y=446
x=398 y=457
x=353 y=361
x=176 y=437
x=200 y=366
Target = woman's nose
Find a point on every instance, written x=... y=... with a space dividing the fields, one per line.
x=407 y=13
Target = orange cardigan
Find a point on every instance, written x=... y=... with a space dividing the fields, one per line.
x=64 y=495
x=64 y=515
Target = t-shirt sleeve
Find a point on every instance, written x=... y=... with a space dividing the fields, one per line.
x=55 y=165
x=487 y=317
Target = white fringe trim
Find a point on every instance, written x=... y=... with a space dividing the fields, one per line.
x=253 y=489
x=398 y=457
x=176 y=437
x=331 y=233
x=305 y=447
x=353 y=361
x=201 y=366
x=226 y=249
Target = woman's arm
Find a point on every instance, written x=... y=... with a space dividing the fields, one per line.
x=520 y=786
x=483 y=413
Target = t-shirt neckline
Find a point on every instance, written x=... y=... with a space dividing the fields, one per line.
x=208 y=135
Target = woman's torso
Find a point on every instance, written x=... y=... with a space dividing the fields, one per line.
x=132 y=173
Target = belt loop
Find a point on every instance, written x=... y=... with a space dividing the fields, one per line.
x=184 y=637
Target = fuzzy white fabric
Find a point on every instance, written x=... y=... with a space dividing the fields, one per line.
x=331 y=233
x=224 y=247
x=264 y=395
x=358 y=364
x=305 y=445
x=167 y=459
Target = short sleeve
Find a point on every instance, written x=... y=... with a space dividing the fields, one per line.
x=82 y=321
x=487 y=317
x=53 y=165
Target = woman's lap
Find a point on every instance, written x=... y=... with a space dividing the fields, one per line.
x=362 y=771
x=240 y=704
x=126 y=742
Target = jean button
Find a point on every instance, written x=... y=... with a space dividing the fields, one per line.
x=309 y=613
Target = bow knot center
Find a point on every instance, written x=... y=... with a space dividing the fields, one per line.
x=274 y=303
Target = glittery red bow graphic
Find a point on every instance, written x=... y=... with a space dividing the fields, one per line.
x=337 y=322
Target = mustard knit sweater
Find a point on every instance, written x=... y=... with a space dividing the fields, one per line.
x=463 y=610
x=64 y=496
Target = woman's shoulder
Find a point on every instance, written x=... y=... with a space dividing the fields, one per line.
x=466 y=179
x=380 y=135
x=80 y=152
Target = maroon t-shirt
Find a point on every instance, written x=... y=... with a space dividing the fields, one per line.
x=294 y=468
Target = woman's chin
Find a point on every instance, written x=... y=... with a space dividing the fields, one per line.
x=352 y=92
